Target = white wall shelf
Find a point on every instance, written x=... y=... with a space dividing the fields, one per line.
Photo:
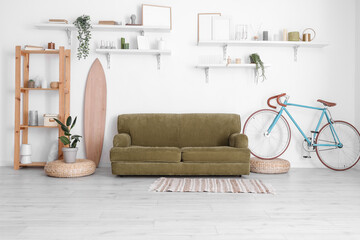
x=68 y=28
x=155 y=52
x=295 y=45
x=207 y=67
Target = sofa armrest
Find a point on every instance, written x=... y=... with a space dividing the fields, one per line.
x=238 y=140
x=122 y=140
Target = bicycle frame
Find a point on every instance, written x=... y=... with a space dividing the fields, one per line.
x=310 y=143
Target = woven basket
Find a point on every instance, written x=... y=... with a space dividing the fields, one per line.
x=276 y=165
x=60 y=169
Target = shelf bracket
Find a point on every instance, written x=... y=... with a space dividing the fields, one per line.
x=142 y=33
x=296 y=52
x=68 y=34
x=108 y=58
x=207 y=75
x=225 y=52
x=158 y=59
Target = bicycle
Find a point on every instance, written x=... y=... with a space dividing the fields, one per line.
x=337 y=143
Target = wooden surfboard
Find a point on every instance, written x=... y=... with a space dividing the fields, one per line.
x=95 y=112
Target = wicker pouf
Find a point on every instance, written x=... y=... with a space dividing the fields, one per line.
x=58 y=168
x=276 y=165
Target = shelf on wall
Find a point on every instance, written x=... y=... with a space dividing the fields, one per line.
x=207 y=67
x=155 y=52
x=26 y=126
x=38 y=89
x=264 y=43
x=293 y=44
x=245 y=65
x=33 y=164
x=48 y=51
x=68 y=28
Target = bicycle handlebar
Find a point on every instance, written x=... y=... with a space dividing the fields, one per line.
x=277 y=99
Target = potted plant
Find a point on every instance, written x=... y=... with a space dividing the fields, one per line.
x=255 y=58
x=69 y=139
x=83 y=24
x=31 y=83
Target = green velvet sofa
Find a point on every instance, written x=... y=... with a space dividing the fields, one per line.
x=180 y=144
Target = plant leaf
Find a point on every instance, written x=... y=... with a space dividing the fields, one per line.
x=65 y=129
x=73 y=124
x=64 y=140
x=74 y=143
x=58 y=121
x=67 y=134
x=68 y=121
x=75 y=136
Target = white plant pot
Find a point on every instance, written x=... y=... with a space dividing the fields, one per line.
x=25 y=159
x=69 y=154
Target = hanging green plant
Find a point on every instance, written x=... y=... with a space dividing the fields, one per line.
x=255 y=58
x=83 y=24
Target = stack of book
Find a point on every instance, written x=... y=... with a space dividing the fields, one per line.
x=33 y=48
x=108 y=23
x=61 y=21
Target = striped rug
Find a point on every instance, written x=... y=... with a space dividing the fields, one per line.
x=213 y=185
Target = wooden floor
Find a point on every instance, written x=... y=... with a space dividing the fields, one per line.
x=309 y=204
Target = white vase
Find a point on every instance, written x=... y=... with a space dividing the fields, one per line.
x=161 y=44
x=25 y=153
x=25 y=159
x=44 y=84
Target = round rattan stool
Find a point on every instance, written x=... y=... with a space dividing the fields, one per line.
x=60 y=169
x=276 y=165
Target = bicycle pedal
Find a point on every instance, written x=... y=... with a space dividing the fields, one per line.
x=306 y=156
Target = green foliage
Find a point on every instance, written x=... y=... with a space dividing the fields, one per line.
x=83 y=24
x=255 y=58
x=68 y=139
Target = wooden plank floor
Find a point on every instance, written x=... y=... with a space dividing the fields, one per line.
x=309 y=204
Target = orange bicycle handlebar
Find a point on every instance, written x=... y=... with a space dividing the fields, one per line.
x=277 y=100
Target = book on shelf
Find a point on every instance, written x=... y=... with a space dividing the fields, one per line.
x=61 y=21
x=107 y=22
x=33 y=48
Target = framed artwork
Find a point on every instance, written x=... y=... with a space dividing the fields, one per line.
x=156 y=16
x=220 y=28
x=205 y=26
x=143 y=43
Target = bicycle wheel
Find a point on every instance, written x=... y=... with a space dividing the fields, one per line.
x=272 y=145
x=335 y=158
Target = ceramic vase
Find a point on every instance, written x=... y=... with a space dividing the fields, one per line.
x=25 y=153
x=69 y=154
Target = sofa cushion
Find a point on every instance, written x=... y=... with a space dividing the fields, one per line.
x=151 y=130
x=179 y=130
x=145 y=154
x=215 y=154
x=207 y=129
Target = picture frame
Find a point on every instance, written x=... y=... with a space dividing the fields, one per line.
x=204 y=25
x=221 y=28
x=143 y=43
x=156 y=16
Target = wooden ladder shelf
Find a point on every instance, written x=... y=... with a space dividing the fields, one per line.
x=22 y=95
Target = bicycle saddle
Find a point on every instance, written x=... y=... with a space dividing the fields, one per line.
x=328 y=104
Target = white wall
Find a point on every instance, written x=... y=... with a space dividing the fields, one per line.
x=135 y=85
x=357 y=68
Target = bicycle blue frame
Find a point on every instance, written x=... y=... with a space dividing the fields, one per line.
x=324 y=113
